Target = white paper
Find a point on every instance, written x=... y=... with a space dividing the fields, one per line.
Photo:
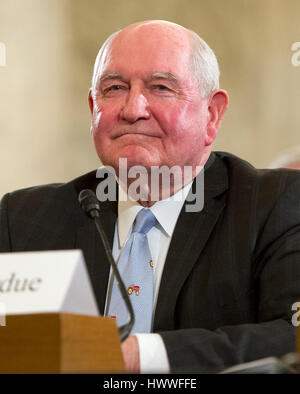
x=46 y=282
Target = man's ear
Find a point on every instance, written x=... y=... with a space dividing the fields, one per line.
x=91 y=101
x=217 y=105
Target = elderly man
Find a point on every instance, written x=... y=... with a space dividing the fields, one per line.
x=225 y=277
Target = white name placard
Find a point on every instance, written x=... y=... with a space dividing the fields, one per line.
x=46 y=282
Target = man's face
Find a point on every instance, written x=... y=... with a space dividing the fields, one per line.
x=147 y=107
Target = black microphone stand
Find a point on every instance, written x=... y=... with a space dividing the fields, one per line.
x=91 y=206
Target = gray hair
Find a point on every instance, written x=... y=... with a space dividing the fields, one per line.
x=204 y=64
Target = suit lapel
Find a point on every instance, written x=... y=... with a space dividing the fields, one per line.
x=89 y=241
x=191 y=233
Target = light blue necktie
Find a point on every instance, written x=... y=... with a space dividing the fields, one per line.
x=136 y=268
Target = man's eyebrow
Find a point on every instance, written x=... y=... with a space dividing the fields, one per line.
x=154 y=76
x=161 y=75
x=106 y=76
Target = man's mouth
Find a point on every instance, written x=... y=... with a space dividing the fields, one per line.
x=135 y=133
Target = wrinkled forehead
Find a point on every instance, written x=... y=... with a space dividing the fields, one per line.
x=147 y=48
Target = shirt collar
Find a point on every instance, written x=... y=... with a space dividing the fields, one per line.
x=166 y=212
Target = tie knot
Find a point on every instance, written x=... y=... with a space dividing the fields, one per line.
x=144 y=221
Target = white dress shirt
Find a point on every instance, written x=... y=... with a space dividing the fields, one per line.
x=153 y=355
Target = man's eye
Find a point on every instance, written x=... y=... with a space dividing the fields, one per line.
x=160 y=87
x=114 y=87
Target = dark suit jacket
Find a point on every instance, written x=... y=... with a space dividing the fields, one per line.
x=232 y=272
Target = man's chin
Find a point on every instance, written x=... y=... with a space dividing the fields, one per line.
x=131 y=162
x=133 y=156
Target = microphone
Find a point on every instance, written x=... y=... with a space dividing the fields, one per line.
x=90 y=205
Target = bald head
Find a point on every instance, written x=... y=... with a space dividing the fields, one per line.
x=150 y=104
x=202 y=61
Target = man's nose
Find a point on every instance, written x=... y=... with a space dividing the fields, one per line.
x=135 y=107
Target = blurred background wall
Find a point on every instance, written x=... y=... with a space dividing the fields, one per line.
x=50 y=49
